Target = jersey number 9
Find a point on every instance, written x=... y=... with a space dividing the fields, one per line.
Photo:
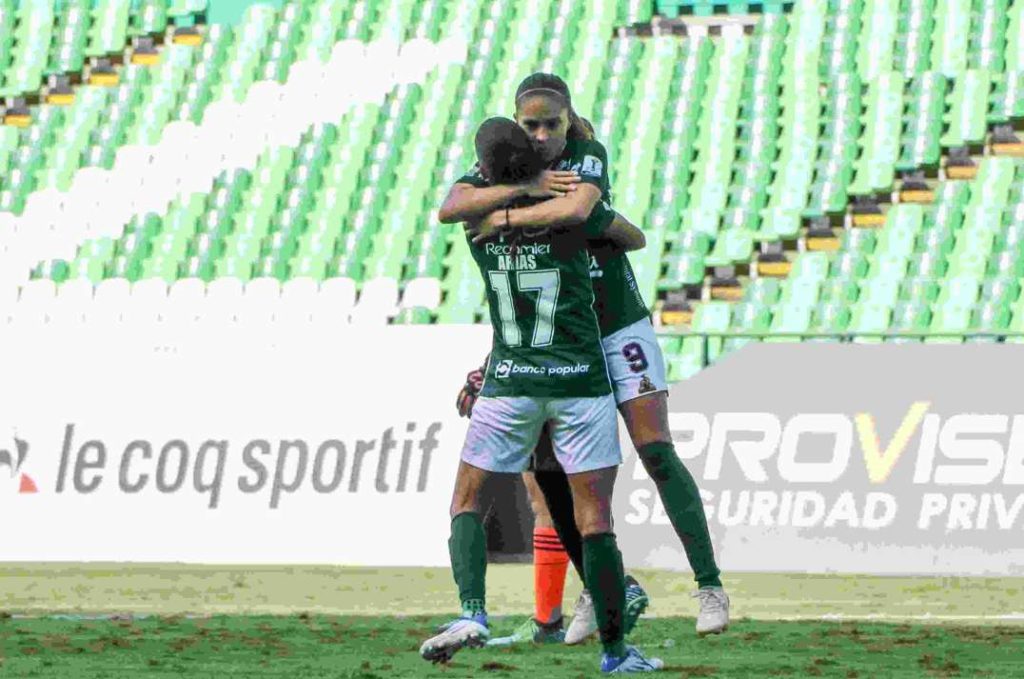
x=634 y=355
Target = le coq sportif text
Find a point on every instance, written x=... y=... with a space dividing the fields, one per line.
x=396 y=461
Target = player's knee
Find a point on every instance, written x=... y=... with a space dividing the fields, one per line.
x=657 y=463
x=593 y=526
x=593 y=519
x=465 y=501
x=643 y=436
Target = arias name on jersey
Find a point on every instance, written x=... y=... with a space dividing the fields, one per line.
x=521 y=258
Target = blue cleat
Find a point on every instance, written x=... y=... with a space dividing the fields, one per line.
x=636 y=603
x=632 y=663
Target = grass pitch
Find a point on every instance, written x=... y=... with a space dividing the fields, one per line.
x=184 y=621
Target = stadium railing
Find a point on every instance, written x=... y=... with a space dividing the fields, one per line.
x=839 y=337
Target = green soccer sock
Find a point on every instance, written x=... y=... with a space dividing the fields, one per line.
x=685 y=510
x=606 y=584
x=468 y=549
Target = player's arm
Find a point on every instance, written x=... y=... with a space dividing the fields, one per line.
x=625 y=234
x=468 y=202
x=567 y=211
x=571 y=210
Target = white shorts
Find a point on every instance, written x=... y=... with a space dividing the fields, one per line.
x=503 y=432
x=635 y=362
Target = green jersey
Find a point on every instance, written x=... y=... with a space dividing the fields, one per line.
x=617 y=299
x=546 y=338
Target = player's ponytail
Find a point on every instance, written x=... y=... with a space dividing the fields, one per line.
x=580 y=128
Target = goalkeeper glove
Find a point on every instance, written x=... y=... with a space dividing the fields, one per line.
x=470 y=391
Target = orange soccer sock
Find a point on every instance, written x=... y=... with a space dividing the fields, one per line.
x=550 y=563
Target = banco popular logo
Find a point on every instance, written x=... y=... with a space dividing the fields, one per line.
x=503 y=369
x=12 y=459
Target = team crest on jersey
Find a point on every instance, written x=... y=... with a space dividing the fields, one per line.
x=592 y=166
x=646 y=386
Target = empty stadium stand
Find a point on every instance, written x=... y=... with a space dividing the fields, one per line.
x=795 y=180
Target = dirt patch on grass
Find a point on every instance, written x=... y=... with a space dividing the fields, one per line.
x=693 y=670
x=498 y=667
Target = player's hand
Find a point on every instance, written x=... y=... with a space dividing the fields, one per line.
x=469 y=392
x=487 y=227
x=551 y=183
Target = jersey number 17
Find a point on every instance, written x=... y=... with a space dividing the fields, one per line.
x=545 y=283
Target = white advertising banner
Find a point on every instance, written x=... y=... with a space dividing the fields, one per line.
x=228 y=444
x=855 y=458
x=227 y=447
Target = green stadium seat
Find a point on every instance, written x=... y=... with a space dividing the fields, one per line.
x=961 y=291
x=878 y=33
x=840 y=290
x=800 y=292
x=763 y=291
x=753 y=318
x=925 y=289
x=913 y=316
x=892 y=264
x=927 y=265
x=880 y=291
x=830 y=318
x=1002 y=291
x=778 y=224
x=870 y=322
x=936 y=241
x=863 y=241
x=849 y=264
x=709 y=318
x=952 y=30
x=790 y=319
x=992 y=317
x=949 y=324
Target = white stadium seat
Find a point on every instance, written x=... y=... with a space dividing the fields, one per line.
x=298 y=300
x=111 y=300
x=378 y=301
x=335 y=302
x=422 y=292
x=8 y=302
x=264 y=289
x=188 y=157
x=37 y=301
x=148 y=302
x=186 y=300
x=74 y=301
x=223 y=299
x=261 y=302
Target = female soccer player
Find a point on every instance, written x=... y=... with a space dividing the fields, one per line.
x=638 y=374
x=547 y=368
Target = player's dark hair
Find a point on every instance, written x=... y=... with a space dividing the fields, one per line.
x=505 y=150
x=550 y=85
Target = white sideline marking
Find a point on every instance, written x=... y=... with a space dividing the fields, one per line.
x=865 y=617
